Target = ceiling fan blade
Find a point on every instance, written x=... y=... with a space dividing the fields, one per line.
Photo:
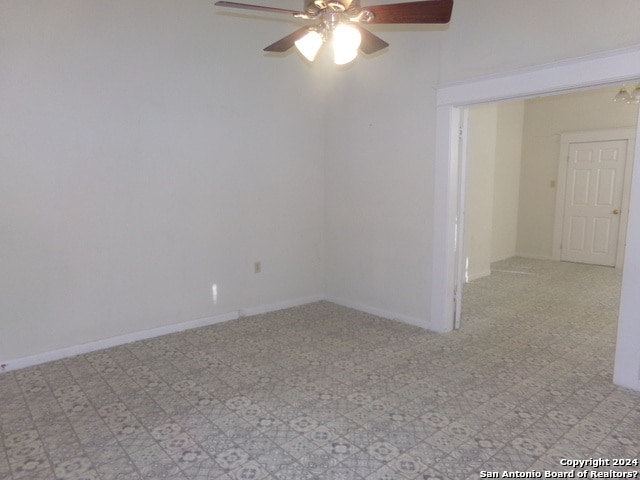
x=287 y=42
x=370 y=42
x=426 y=11
x=258 y=7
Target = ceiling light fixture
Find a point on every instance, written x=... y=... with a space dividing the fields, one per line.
x=336 y=28
x=623 y=96
x=346 y=40
x=310 y=44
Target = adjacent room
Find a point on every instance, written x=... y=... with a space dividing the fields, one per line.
x=514 y=160
x=516 y=155
x=223 y=263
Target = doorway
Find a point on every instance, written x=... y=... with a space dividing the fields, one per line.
x=517 y=142
x=528 y=194
x=611 y=68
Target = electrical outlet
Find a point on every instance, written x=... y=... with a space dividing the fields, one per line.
x=257 y=267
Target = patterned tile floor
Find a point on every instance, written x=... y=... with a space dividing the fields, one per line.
x=325 y=392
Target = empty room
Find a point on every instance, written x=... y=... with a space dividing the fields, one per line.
x=220 y=262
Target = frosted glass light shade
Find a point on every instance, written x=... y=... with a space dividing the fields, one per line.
x=346 y=40
x=635 y=95
x=622 y=96
x=310 y=44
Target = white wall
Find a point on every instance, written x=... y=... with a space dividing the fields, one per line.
x=149 y=150
x=481 y=172
x=494 y=148
x=378 y=169
x=497 y=36
x=627 y=360
x=546 y=119
x=506 y=187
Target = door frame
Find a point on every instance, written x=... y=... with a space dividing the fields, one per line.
x=566 y=139
x=574 y=75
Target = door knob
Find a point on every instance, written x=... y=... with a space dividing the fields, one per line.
x=616 y=211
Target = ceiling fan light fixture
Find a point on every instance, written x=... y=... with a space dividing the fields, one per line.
x=346 y=40
x=340 y=23
x=310 y=44
x=622 y=96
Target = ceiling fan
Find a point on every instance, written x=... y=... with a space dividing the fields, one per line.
x=340 y=22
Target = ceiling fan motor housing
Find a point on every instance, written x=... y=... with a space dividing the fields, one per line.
x=315 y=6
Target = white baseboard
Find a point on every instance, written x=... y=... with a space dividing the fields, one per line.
x=249 y=312
x=417 y=322
x=627 y=383
x=40 y=358
x=503 y=257
x=534 y=256
x=476 y=276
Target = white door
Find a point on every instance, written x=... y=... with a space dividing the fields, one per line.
x=593 y=201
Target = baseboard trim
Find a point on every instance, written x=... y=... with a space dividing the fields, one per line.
x=378 y=312
x=476 y=276
x=273 y=307
x=534 y=256
x=631 y=384
x=45 y=357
